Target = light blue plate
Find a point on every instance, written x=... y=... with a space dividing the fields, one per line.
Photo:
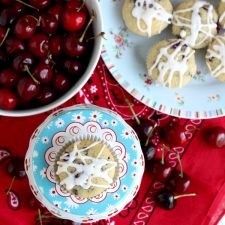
x=125 y=55
x=62 y=127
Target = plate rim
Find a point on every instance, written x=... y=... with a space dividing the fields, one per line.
x=176 y=112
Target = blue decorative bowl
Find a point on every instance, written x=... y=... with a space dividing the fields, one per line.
x=62 y=127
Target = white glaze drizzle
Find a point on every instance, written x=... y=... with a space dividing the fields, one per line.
x=218 y=52
x=86 y=170
x=176 y=62
x=195 y=23
x=222 y=16
x=146 y=11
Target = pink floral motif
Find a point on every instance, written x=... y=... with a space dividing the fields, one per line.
x=118 y=39
x=121 y=40
x=214 y=98
x=179 y=99
x=147 y=80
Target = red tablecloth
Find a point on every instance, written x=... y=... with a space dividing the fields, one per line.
x=205 y=165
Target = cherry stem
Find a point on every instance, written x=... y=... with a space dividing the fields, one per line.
x=31 y=75
x=82 y=5
x=30 y=6
x=185 y=195
x=6 y=35
x=101 y=34
x=10 y=186
x=43 y=216
x=50 y=58
x=164 y=147
x=39 y=216
x=133 y=112
x=163 y=156
x=150 y=135
x=180 y=164
x=37 y=20
x=88 y=25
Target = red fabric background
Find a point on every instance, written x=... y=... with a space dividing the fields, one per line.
x=205 y=165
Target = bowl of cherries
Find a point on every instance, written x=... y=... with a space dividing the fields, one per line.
x=48 y=51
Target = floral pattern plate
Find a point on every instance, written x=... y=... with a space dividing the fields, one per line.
x=125 y=55
x=79 y=121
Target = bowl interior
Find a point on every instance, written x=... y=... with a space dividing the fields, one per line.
x=98 y=27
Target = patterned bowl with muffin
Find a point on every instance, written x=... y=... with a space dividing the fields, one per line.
x=84 y=163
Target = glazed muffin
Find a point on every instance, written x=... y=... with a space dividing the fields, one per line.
x=171 y=63
x=195 y=22
x=147 y=17
x=86 y=168
x=215 y=58
x=221 y=11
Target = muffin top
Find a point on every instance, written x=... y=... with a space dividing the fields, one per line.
x=215 y=57
x=86 y=168
x=147 y=17
x=195 y=22
x=171 y=62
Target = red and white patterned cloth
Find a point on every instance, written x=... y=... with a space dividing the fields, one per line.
x=202 y=163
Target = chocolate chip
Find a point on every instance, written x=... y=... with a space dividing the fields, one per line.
x=174 y=46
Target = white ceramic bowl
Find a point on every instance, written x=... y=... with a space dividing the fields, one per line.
x=98 y=27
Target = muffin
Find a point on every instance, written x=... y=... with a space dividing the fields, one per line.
x=86 y=168
x=171 y=63
x=147 y=17
x=195 y=22
x=221 y=11
x=215 y=58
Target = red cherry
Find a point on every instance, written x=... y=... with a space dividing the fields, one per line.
x=149 y=152
x=61 y=83
x=39 y=45
x=179 y=183
x=27 y=89
x=56 y=11
x=3 y=57
x=14 y=45
x=21 y=60
x=7 y=2
x=8 y=78
x=40 y=4
x=74 y=67
x=216 y=137
x=10 y=14
x=34 y=204
x=144 y=129
x=175 y=135
x=43 y=73
x=8 y=99
x=25 y=27
x=16 y=168
x=46 y=96
x=160 y=171
x=73 y=20
x=49 y=23
x=55 y=45
x=167 y=200
x=46 y=60
x=72 y=46
x=74 y=5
